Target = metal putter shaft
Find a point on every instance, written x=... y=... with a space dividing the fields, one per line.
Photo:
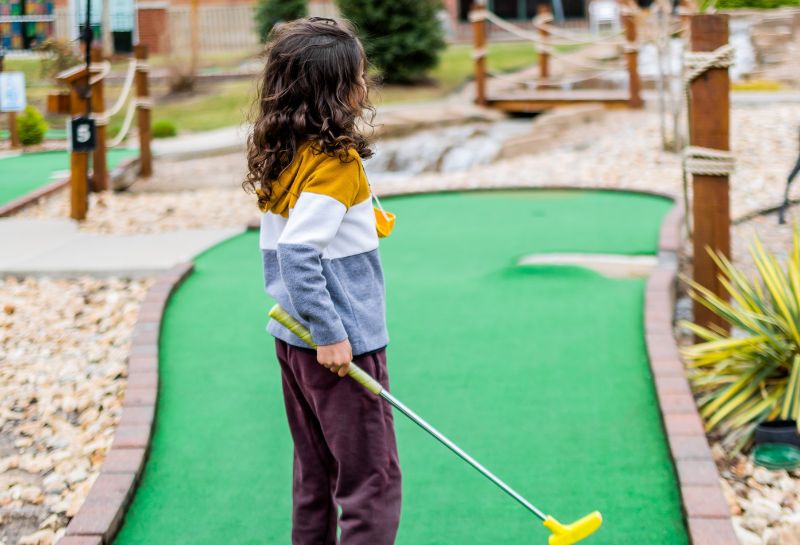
x=563 y=534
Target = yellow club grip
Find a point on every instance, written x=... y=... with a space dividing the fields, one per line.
x=364 y=379
x=287 y=320
x=355 y=372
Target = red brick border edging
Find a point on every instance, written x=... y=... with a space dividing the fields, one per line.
x=100 y=516
x=708 y=517
x=122 y=172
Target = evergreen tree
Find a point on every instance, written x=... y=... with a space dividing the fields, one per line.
x=271 y=12
x=402 y=38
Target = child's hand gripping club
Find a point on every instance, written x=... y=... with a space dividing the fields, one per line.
x=563 y=534
x=353 y=371
x=336 y=357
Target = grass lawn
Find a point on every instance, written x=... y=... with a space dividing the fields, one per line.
x=215 y=106
x=227 y=103
x=455 y=68
x=30 y=67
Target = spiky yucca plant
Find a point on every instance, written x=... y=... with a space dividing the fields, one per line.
x=752 y=374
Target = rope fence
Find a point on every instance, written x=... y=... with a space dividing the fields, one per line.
x=700 y=160
x=100 y=71
x=549 y=82
x=548 y=40
x=541 y=23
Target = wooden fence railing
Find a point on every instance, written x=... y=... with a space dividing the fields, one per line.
x=222 y=28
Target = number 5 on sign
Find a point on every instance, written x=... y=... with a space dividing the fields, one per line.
x=83 y=134
x=12 y=92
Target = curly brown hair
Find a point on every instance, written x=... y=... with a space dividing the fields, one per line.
x=314 y=88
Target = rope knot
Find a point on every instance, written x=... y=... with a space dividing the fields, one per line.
x=702 y=161
x=696 y=63
x=477 y=15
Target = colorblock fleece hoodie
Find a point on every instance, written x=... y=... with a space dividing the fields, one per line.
x=320 y=252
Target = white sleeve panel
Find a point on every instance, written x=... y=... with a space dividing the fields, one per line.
x=357 y=233
x=272 y=226
x=313 y=221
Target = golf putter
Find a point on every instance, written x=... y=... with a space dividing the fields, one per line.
x=562 y=534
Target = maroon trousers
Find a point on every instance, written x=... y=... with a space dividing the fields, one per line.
x=345 y=454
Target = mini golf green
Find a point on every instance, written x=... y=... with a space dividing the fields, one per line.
x=539 y=372
x=21 y=174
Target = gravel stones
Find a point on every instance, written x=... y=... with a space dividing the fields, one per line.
x=765 y=504
x=64 y=346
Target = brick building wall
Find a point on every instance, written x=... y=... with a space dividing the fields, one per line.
x=221 y=29
x=152 y=22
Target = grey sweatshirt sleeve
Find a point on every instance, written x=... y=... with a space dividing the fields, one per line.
x=312 y=224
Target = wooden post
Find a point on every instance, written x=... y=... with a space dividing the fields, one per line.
x=709 y=121
x=79 y=160
x=479 y=52
x=99 y=179
x=544 y=15
x=143 y=111
x=632 y=58
x=73 y=103
x=194 y=16
x=12 y=118
x=12 y=130
x=796 y=26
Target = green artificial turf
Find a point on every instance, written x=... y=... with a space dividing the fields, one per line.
x=21 y=174
x=539 y=372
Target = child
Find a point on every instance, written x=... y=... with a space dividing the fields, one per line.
x=321 y=263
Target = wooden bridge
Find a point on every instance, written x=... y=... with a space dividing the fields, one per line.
x=542 y=94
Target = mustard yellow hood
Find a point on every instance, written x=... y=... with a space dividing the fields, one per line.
x=318 y=172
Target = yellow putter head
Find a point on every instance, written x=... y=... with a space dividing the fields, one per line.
x=567 y=534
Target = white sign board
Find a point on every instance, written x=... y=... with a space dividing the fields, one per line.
x=12 y=92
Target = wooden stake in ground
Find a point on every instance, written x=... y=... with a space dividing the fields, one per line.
x=545 y=16
x=144 y=104
x=12 y=116
x=99 y=180
x=194 y=15
x=479 y=52
x=78 y=80
x=632 y=59
x=709 y=121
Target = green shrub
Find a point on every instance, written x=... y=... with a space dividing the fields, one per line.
x=755 y=4
x=753 y=374
x=164 y=129
x=402 y=38
x=271 y=12
x=31 y=126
